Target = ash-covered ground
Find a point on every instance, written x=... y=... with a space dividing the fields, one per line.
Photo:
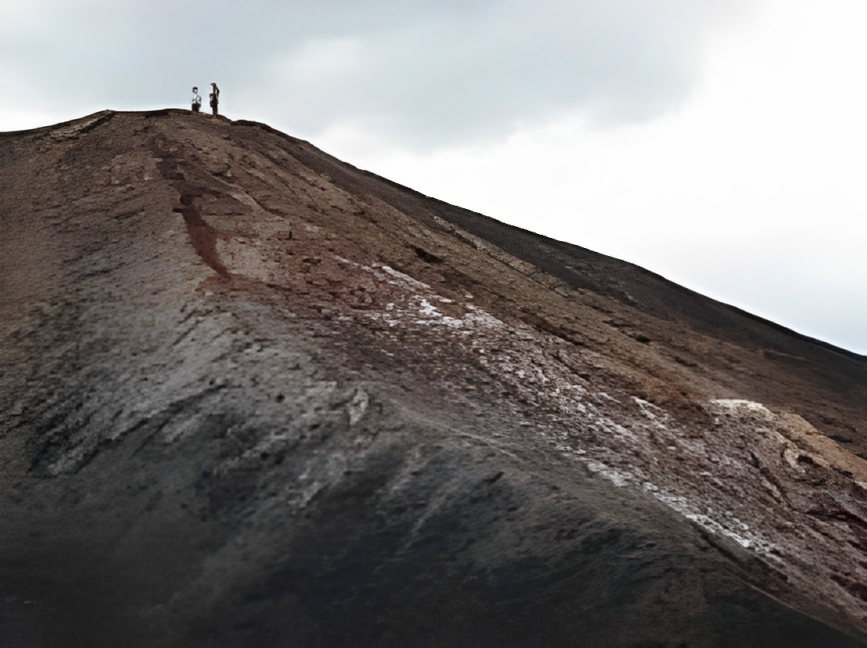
x=253 y=396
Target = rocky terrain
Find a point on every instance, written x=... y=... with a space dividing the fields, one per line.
x=253 y=396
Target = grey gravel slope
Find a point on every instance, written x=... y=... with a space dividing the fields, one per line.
x=251 y=401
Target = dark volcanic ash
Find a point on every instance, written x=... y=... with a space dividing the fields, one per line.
x=252 y=395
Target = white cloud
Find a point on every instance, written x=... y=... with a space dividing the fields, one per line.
x=421 y=73
x=476 y=72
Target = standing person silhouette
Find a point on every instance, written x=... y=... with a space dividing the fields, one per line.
x=215 y=98
x=197 y=100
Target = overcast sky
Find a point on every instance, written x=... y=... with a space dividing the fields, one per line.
x=720 y=143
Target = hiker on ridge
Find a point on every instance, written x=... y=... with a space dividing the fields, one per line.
x=197 y=100
x=215 y=97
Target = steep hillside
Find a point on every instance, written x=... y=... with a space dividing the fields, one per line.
x=253 y=396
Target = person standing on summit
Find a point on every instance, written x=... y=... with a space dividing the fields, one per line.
x=215 y=98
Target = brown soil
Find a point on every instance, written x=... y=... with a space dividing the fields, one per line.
x=252 y=395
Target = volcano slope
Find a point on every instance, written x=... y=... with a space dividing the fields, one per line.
x=253 y=396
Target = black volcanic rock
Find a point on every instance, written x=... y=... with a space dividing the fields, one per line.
x=253 y=396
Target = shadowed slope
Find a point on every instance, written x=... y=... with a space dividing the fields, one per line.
x=254 y=396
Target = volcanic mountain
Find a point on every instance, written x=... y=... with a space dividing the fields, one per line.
x=251 y=395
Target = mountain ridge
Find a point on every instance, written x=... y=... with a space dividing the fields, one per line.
x=256 y=396
x=95 y=118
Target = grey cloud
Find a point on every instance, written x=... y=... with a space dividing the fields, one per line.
x=426 y=73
